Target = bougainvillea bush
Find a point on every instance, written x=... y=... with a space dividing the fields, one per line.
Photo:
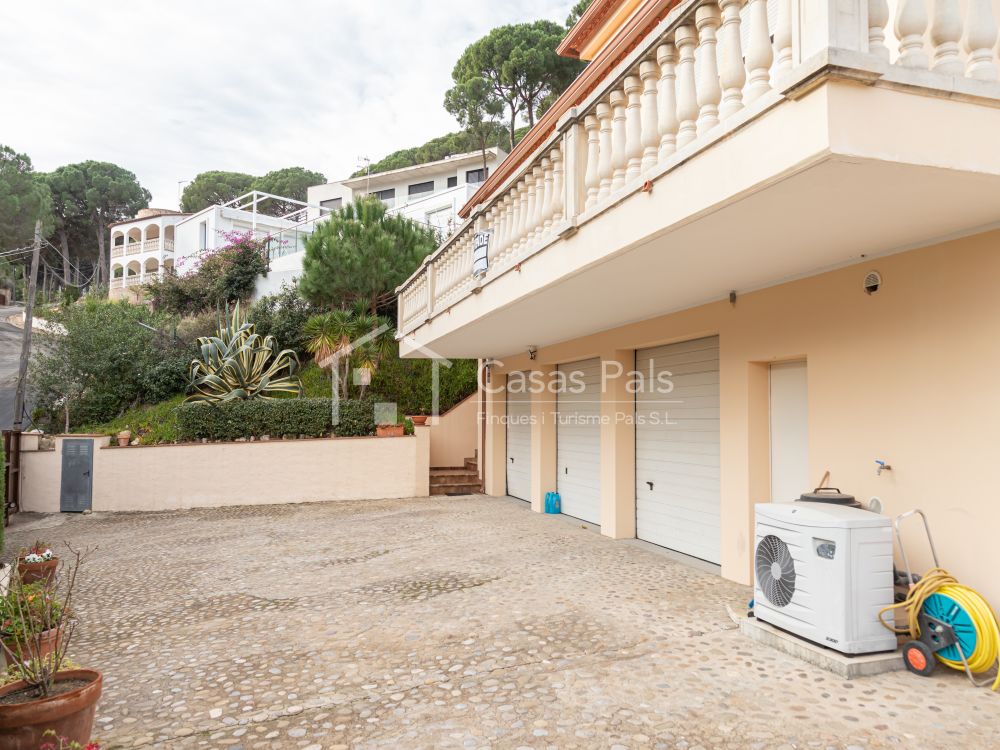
x=214 y=277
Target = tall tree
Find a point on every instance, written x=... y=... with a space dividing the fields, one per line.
x=72 y=223
x=214 y=187
x=24 y=197
x=290 y=182
x=362 y=253
x=111 y=194
x=519 y=64
x=471 y=104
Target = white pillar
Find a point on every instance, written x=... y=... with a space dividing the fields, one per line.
x=633 y=127
x=619 y=159
x=946 y=33
x=687 y=102
x=759 y=55
x=592 y=178
x=878 y=17
x=980 y=40
x=911 y=24
x=666 y=100
x=649 y=72
x=732 y=74
x=604 y=167
x=707 y=21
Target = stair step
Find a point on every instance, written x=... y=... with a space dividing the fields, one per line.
x=455 y=481
x=451 y=471
x=457 y=489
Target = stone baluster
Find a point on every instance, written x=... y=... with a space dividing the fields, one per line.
x=649 y=73
x=522 y=213
x=732 y=74
x=545 y=218
x=911 y=24
x=592 y=178
x=604 y=167
x=783 y=35
x=503 y=217
x=759 y=55
x=687 y=101
x=619 y=158
x=531 y=199
x=666 y=99
x=633 y=127
x=980 y=40
x=539 y=216
x=558 y=185
x=707 y=20
x=946 y=34
x=878 y=17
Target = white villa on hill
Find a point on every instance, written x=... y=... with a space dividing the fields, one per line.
x=160 y=240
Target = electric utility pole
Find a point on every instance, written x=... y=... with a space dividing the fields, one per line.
x=29 y=310
x=12 y=501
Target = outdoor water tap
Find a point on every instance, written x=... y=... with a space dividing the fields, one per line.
x=882 y=466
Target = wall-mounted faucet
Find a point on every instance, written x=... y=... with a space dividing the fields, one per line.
x=882 y=466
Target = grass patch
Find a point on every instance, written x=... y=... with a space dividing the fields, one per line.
x=156 y=423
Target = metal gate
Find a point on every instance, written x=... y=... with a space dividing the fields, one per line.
x=77 y=479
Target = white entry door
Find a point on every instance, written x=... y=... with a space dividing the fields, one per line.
x=519 y=441
x=578 y=440
x=789 y=432
x=678 y=496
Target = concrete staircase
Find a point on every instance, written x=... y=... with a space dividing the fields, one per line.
x=456 y=480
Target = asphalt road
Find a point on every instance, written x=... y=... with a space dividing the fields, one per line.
x=10 y=354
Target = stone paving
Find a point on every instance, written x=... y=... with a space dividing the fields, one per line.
x=450 y=622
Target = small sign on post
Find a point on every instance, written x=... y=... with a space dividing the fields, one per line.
x=480 y=253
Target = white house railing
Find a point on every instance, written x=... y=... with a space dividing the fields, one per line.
x=707 y=66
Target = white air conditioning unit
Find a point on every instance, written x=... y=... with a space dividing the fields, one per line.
x=823 y=572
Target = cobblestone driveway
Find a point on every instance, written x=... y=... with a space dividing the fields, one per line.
x=450 y=622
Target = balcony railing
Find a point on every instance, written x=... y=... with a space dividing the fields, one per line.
x=116 y=283
x=133 y=280
x=704 y=70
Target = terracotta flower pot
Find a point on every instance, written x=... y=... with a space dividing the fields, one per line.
x=39 y=571
x=70 y=715
x=419 y=419
x=47 y=642
x=389 y=430
x=124 y=437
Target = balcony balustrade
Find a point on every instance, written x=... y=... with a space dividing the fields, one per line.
x=704 y=69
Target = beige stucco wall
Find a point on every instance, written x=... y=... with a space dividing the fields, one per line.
x=222 y=474
x=908 y=375
x=453 y=434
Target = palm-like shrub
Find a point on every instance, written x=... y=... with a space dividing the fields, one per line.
x=239 y=363
x=349 y=340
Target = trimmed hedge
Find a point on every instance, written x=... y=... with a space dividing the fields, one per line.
x=232 y=420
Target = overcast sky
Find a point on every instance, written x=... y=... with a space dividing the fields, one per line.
x=168 y=89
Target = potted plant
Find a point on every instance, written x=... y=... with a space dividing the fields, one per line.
x=36 y=563
x=420 y=418
x=124 y=437
x=47 y=698
x=31 y=620
x=391 y=429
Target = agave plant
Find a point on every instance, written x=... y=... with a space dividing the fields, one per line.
x=239 y=363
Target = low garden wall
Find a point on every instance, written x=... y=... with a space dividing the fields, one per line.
x=201 y=475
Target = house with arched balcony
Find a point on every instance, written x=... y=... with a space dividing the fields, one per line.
x=142 y=249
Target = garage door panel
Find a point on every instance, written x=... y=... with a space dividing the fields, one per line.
x=681 y=457
x=578 y=440
x=519 y=445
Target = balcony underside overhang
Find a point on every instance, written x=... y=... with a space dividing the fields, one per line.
x=840 y=176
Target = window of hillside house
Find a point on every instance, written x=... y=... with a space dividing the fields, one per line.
x=388 y=197
x=203 y=235
x=453 y=181
x=475 y=176
x=334 y=204
x=421 y=188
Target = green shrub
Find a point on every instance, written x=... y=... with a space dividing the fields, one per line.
x=232 y=420
x=150 y=424
x=408 y=383
x=357 y=418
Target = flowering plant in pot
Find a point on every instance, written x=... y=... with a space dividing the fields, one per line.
x=391 y=429
x=46 y=696
x=36 y=563
x=31 y=618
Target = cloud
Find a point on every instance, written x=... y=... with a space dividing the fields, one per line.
x=170 y=89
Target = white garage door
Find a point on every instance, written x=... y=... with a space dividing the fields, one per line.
x=578 y=440
x=519 y=441
x=677 y=449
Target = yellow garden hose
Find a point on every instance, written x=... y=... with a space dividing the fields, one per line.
x=938 y=581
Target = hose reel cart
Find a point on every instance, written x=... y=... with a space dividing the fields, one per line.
x=946 y=621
